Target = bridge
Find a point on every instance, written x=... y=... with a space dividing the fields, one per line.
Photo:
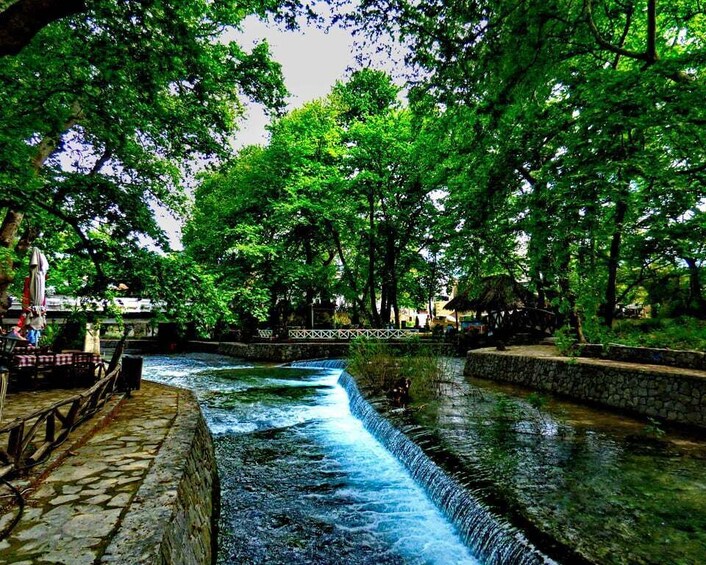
x=59 y=308
x=535 y=321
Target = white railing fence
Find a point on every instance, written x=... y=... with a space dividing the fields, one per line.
x=342 y=335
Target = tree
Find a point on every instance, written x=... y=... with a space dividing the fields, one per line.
x=333 y=206
x=21 y=20
x=569 y=122
x=104 y=114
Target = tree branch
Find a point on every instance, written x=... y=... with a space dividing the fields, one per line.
x=588 y=6
x=23 y=19
x=73 y=222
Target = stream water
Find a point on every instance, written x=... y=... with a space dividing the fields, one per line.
x=302 y=481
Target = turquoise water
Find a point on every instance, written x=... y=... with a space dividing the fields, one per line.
x=365 y=499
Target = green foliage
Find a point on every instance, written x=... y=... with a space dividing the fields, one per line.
x=379 y=366
x=7 y=260
x=536 y=400
x=504 y=407
x=335 y=204
x=374 y=365
x=675 y=333
x=72 y=334
x=568 y=141
x=653 y=429
x=559 y=142
x=49 y=335
x=107 y=113
x=565 y=341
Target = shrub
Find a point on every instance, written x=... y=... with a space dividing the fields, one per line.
x=380 y=367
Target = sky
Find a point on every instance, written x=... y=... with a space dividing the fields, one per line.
x=312 y=61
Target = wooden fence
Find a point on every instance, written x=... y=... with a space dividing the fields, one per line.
x=26 y=441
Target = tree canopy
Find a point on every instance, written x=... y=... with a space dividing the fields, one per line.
x=560 y=144
x=104 y=116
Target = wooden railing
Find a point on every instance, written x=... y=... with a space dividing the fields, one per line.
x=27 y=440
x=532 y=320
x=342 y=335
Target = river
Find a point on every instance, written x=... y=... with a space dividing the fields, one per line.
x=302 y=481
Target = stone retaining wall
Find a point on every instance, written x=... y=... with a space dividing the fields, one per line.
x=670 y=395
x=284 y=352
x=669 y=357
x=172 y=519
x=294 y=351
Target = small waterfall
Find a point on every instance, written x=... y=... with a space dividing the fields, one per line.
x=490 y=538
x=320 y=363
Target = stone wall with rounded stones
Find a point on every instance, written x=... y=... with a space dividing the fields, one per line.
x=294 y=351
x=173 y=517
x=671 y=396
x=669 y=357
x=284 y=352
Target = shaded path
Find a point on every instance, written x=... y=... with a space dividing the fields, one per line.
x=73 y=509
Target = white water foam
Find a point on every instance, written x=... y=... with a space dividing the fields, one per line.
x=377 y=488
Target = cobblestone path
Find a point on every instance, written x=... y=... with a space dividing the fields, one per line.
x=73 y=510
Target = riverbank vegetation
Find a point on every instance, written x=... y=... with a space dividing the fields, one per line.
x=402 y=372
x=684 y=332
x=560 y=144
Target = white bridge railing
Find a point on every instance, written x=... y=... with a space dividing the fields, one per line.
x=342 y=335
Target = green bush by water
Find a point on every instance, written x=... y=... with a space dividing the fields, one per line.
x=379 y=366
x=683 y=332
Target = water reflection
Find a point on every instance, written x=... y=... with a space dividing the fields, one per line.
x=619 y=490
x=302 y=480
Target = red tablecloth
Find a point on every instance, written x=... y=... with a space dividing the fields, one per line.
x=59 y=359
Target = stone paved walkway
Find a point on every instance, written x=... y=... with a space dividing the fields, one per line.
x=551 y=352
x=73 y=509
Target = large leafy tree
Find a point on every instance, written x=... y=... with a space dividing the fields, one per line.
x=575 y=128
x=104 y=114
x=335 y=205
x=261 y=223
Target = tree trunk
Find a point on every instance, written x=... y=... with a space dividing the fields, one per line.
x=621 y=209
x=309 y=292
x=10 y=225
x=21 y=20
x=388 y=277
x=570 y=297
x=696 y=299
x=371 y=262
x=13 y=218
x=358 y=301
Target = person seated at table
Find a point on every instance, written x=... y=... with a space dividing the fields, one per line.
x=33 y=336
x=16 y=333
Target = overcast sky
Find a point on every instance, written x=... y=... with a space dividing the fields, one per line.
x=312 y=61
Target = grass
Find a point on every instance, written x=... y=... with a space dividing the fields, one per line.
x=380 y=366
x=683 y=332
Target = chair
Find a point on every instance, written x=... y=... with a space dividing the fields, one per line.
x=23 y=348
x=83 y=368
x=43 y=364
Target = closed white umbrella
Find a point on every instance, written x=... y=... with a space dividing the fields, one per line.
x=38 y=267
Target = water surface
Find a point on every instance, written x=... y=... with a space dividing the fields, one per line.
x=301 y=479
x=617 y=489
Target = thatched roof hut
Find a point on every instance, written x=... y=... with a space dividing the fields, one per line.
x=497 y=292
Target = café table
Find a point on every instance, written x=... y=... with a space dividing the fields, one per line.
x=58 y=359
x=72 y=365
